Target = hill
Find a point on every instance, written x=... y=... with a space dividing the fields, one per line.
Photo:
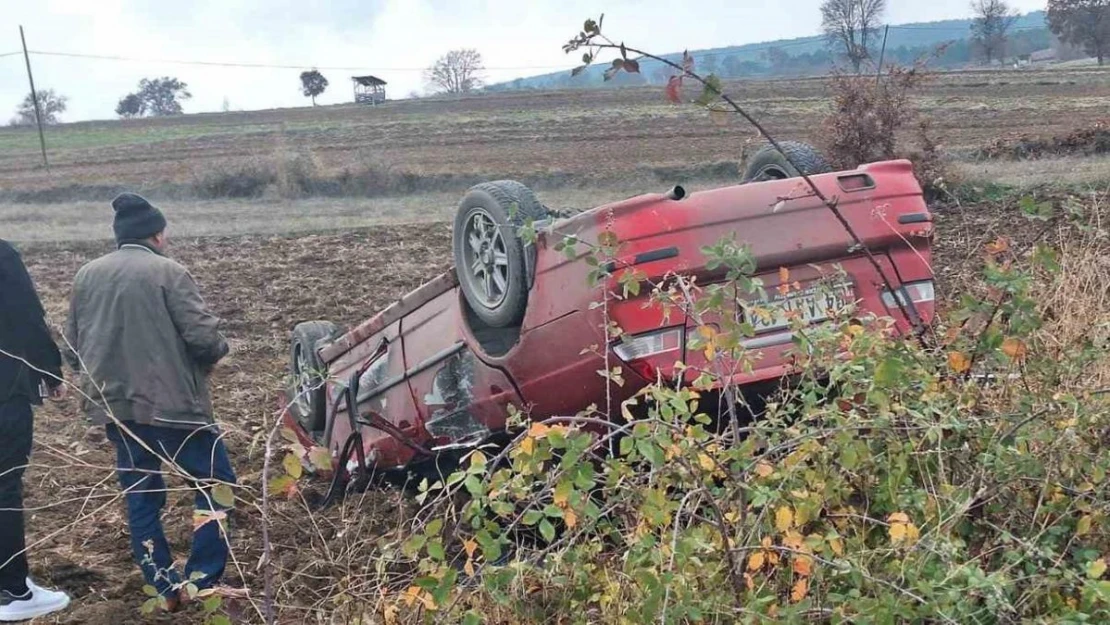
x=808 y=55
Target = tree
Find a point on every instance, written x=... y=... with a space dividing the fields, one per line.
x=157 y=98
x=1083 y=23
x=457 y=71
x=313 y=83
x=50 y=105
x=993 y=19
x=851 y=25
x=131 y=106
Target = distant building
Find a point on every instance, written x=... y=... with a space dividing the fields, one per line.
x=369 y=90
x=1043 y=56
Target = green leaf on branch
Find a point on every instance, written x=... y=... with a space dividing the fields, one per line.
x=547 y=530
x=711 y=91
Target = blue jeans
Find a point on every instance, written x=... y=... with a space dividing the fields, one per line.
x=201 y=454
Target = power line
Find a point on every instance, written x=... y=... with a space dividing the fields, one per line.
x=106 y=57
x=8 y=54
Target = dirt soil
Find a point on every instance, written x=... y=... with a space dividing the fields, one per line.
x=261 y=286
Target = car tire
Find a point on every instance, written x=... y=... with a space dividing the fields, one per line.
x=490 y=257
x=308 y=396
x=770 y=164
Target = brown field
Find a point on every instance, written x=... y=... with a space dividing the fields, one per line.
x=557 y=138
x=353 y=257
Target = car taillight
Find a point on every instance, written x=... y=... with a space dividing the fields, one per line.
x=638 y=350
x=916 y=292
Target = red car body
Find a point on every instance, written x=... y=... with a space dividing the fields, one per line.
x=429 y=371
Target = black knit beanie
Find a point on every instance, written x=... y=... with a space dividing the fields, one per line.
x=136 y=219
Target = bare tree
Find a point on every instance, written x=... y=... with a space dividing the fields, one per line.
x=1083 y=23
x=457 y=71
x=851 y=25
x=50 y=105
x=993 y=19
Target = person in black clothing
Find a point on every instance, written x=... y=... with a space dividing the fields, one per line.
x=29 y=360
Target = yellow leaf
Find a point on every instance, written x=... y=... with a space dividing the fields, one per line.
x=710 y=351
x=1083 y=527
x=801 y=587
x=837 y=546
x=766 y=542
x=292 y=466
x=1096 y=568
x=854 y=329
x=784 y=518
x=784 y=275
x=390 y=614
x=469 y=546
x=538 y=430
x=749 y=581
x=528 y=445
x=958 y=362
x=1014 y=348
x=898 y=517
x=477 y=459
x=706 y=462
x=998 y=246
x=755 y=561
x=204 y=517
x=411 y=595
x=897 y=532
x=803 y=565
x=912 y=533
x=570 y=518
x=707 y=332
x=468 y=568
x=763 y=469
x=793 y=540
x=801 y=516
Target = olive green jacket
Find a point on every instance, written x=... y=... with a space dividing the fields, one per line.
x=144 y=340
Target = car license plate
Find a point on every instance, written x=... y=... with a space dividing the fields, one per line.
x=811 y=304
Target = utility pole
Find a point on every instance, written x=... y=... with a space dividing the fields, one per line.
x=882 y=55
x=35 y=97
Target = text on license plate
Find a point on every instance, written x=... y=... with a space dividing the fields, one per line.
x=811 y=304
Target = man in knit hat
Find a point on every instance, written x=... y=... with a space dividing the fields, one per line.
x=145 y=344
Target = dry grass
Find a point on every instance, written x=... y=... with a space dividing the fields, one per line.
x=1077 y=302
x=1067 y=171
x=79 y=221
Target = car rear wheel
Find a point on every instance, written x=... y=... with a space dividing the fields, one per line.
x=770 y=164
x=489 y=254
x=307 y=393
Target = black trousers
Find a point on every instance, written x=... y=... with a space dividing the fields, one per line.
x=16 y=427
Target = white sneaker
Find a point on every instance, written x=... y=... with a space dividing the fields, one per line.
x=40 y=603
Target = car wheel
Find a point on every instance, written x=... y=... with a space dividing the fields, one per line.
x=770 y=164
x=307 y=394
x=489 y=254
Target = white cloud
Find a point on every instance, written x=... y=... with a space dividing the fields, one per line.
x=391 y=38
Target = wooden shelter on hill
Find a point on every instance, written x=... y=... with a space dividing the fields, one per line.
x=369 y=90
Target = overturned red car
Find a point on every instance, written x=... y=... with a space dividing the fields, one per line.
x=512 y=323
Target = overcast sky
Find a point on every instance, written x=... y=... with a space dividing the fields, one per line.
x=389 y=38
